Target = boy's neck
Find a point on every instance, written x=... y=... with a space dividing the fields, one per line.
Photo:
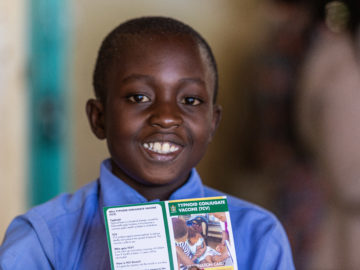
x=154 y=192
x=150 y=192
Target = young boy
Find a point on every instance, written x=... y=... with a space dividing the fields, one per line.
x=155 y=84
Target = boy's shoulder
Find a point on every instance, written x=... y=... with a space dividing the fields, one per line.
x=85 y=198
x=242 y=211
x=34 y=233
x=234 y=202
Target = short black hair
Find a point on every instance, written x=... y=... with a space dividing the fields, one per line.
x=138 y=26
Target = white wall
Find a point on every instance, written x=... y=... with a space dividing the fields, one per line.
x=12 y=111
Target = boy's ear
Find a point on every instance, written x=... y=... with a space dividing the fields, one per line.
x=217 y=112
x=96 y=116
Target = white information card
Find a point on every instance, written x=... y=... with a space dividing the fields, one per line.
x=183 y=234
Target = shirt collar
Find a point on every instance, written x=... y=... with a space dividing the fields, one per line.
x=113 y=191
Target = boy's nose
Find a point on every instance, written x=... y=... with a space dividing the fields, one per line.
x=166 y=115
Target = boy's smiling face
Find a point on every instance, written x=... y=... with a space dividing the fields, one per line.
x=158 y=115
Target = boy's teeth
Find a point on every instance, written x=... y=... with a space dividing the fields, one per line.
x=161 y=147
x=165 y=147
x=157 y=147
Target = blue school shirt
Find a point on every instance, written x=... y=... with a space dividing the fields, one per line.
x=68 y=232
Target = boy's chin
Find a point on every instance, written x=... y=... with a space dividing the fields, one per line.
x=152 y=177
x=162 y=181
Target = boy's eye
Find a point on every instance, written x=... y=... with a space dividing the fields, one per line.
x=193 y=101
x=138 y=98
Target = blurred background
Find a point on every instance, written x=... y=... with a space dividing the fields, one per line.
x=289 y=86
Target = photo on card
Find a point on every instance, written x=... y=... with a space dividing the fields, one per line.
x=203 y=239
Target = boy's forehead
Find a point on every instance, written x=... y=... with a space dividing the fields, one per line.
x=132 y=47
x=132 y=42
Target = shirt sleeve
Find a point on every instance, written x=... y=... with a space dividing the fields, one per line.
x=22 y=249
x=275 y=251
